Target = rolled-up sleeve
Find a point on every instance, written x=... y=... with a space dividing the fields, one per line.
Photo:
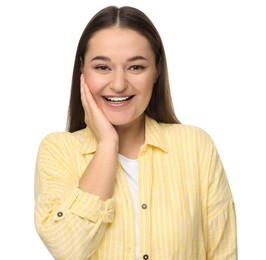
x=221 y=216
x=70 y=222
x=222 y=235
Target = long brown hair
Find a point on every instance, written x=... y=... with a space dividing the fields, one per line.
x=160 y=106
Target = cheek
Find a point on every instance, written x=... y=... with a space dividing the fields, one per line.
x=148 y=95
x=143 y=84
x=95 y=84
x=147 y=89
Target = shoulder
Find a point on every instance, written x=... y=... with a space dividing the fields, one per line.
x=181 y=131
x=187 y=137
x=189 y=142
x=173 y=135
x=64 y=138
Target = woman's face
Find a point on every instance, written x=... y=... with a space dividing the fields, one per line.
x=120 y=71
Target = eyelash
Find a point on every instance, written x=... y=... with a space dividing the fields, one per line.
x=102 y=67
x=134 y=67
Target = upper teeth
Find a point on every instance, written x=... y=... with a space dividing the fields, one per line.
x=117 y=99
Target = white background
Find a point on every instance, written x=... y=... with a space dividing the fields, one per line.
x=217 y=63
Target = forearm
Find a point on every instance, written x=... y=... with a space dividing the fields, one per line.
x=99 y=176
x=72 y=225
x=71 y=222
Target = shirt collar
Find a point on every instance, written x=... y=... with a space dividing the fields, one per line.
x=154 y=136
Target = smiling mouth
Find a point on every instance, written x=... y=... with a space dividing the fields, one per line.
x=118 y=100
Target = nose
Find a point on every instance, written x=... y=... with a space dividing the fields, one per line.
x=119 y=82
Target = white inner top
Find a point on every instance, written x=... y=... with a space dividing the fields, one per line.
x=131 y=169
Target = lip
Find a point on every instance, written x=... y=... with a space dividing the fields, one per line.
x=125 y=100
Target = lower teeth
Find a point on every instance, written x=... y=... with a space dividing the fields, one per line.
x=116 y=102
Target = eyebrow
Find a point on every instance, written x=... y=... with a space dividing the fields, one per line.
x=104 y=58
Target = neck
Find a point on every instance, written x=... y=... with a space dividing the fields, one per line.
x=131 y=137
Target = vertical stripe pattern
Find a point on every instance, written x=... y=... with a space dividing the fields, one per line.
x=185 y=203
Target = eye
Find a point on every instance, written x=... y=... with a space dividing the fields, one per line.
x=102 y=68
x=136 y=67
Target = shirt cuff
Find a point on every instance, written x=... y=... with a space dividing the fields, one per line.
x=85 y=205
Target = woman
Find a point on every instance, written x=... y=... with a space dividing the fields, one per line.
x=128 y=181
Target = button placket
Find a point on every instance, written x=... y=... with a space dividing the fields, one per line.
x=145 y=182
x=144 y=206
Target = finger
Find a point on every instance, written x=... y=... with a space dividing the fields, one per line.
x=83 y=97
x=88 y=96
x=82 y=94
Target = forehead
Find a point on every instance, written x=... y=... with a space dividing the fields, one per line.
x=120 y=41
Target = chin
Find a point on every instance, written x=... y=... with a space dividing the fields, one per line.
x=119 y=121
x=122 y=119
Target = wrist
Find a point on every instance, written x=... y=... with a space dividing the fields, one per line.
x=109 y=145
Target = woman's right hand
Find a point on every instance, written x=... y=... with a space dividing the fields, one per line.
x=95 y=118
x=99 y=176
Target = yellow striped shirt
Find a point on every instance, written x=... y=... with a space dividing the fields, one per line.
x=186 y=209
